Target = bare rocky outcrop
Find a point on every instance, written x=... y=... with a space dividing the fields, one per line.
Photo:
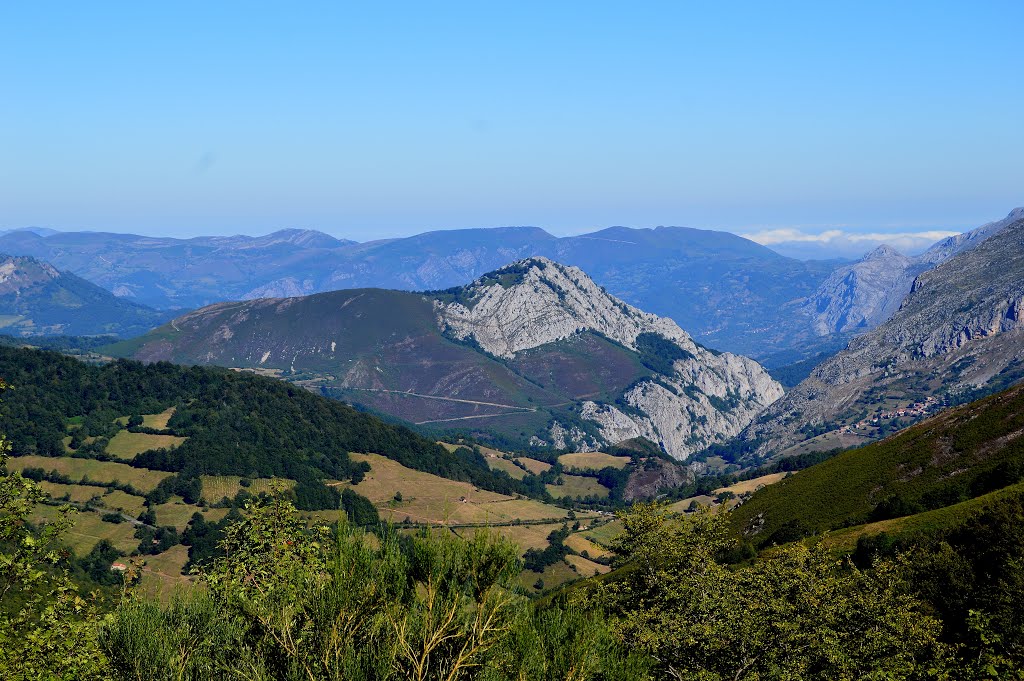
x=706 y=398
x=537 y=301
x=961 y=327
x=860 y=296
x=654 y=477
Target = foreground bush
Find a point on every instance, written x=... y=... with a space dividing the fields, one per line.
x=288 y=603
x=794 y=614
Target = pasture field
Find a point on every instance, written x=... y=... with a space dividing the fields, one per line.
x=603 y=534
x=77 y=493
x=126 y=445
x=524 y=536
x=683 y=505
x=161 y=574
x=492 y=452
x=88 y=530
x=532 y=465
x=427 y=498
x=142 y=479
x=117 y=500
x=216 y=487
x=507 y=466
x=579 y=543
x=157 y=421
x=577 y=486
x=752 y=485
x=176 y=512
x=586 y=568
x=593 y=461
x=553 y=575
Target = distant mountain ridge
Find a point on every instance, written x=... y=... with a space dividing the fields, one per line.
x=860 y=296
x=728 y=290
x=38 y=299
x=534 y=351
x=959 y=332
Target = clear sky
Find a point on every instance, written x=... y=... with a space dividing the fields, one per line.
x=368 y=119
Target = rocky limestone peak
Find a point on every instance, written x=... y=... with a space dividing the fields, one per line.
x=960 y=329
x=704 y=397
x=860 y=296
x=20 y=271
x=537 y=301
x=882 y=251
x=863 y=294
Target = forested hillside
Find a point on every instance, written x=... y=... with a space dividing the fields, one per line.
x=958 y=455
x=233 y=423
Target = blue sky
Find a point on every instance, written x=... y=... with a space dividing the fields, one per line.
x=368 y=120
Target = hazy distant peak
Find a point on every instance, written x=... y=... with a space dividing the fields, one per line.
x=883 y=251
x=307 y=238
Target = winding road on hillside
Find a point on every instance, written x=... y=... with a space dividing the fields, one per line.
x=446 y=399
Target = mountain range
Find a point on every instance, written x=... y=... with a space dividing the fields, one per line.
x=38 y=299
x=731 y=293
x=859 y=296
x=959 y=333
x=535 y=352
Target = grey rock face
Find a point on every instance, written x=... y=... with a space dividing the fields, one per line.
x=549 y=302
x=707 y=398
x=961 y=327
x=860 y=296
x=864 y=294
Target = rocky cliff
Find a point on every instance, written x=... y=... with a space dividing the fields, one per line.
x=697 y=398
x=860 y=296
x=38 y=299
x=960 y=331
x=538 y=301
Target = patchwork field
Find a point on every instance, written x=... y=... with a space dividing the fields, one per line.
x=216 y=487
x=524 y=536
x=126 y=445
x=176 y=512
x=428 y=498
x=88 y=530
x=577 y=486
x=753 y=484
x=604 y=533
x=534 y=466
x=507 y=466
x=77 y=493
x=553 y=575
x=142 y=479
x=157 y=421
x=579 y=543
x=684 y=505
x=593 y=460
x=586 y=568
x=161 y=574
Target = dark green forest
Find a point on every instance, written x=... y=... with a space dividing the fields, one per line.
x=236 y=423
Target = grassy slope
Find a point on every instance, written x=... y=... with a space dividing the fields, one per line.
x=845 y=540
x=929 y=461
